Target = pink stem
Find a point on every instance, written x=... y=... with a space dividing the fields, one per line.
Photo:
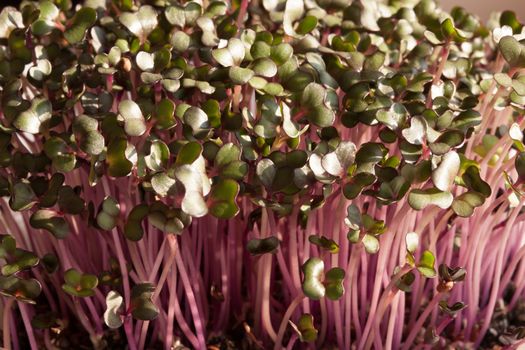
x=6 y=310
x=417 y=327
x=282 y=328
x=189 y=292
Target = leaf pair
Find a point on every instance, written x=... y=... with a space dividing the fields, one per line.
x=223 y=199
x=24 y=290
x=334 y=163
x=142 y=307
x=45 y=22
x=324 y=243
x=262 y=246
x=16 y=259
x=84 y=19
x=50 y=221
x=164 y=218
x=58 y=151
x=513 y=51
x=319 y=110
x=283 y=171
x=183 y=16
x=140 y=23
x=305 y=328
x=448 y=32
x=134 y=122
x=87 y=135
x=228 y=161
x=133 y=229
x=364 y=228
x=113 y=276
x=425 y=266
x=79 y=284
x=447 y=279
x=108 y=214
x=36 y=117
x=318 y=284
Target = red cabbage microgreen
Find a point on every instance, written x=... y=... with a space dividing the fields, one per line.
x=241 y=174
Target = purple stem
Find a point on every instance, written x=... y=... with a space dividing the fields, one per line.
x=6 y=330
x=189 y=292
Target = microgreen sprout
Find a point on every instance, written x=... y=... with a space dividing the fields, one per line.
x=258 y=174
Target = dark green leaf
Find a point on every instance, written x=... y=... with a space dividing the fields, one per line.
x=334 y=279
x=262 y=246
x=324 y=243
x=223 y=195
x=142 y=306
x=50 y=220
x=306 y=25
x=84 y=19
x=305 y=328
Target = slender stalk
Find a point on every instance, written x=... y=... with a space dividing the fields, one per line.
x=409 y=342
x=282 y=328
x=14 y=334
x=391 y=324
x=324 y=322
x=189 y=292
x=387 y=297
x=443 y=56
x=383 y=254
x=171 y=312
x=293 y=258
x=170 y=258
x=84 y=320
x=489 y=309
x=128 y=322
x=352 y=267
x=267 y=271
x=6 y=315
x=292 y=341
x=242 y=13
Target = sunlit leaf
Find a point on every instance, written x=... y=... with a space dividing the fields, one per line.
x=82 y=21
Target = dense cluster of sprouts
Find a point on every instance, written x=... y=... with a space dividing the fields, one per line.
x=257 y=174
